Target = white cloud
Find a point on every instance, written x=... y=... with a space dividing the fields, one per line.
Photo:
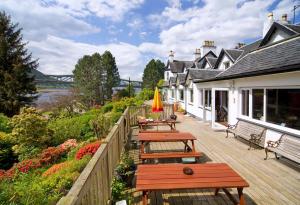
x=59 y=56
x=225 y=22
x=114 y=9
x=39 y=20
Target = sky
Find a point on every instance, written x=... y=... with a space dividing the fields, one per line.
x=59 y=32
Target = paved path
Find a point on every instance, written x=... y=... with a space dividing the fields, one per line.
x=271 y=182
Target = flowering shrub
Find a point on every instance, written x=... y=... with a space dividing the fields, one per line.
x=2 y=173
x=55 y=168
x=67 y=145
x=27 y=165
x=51 y=155
x=89 y=149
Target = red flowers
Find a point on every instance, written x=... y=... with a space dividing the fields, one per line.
x=51 y=155
x=89 y=149
x=28 y=164
x=70 y=143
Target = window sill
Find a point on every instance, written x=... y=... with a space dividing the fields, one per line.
x=191 y=104
x=208 y=108
x=200 y=106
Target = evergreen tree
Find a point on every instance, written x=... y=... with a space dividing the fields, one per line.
x=17 y=87
x=112 y=73
x=153 y=72
x=88 y=78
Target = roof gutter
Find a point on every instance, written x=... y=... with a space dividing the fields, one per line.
x=283 y=69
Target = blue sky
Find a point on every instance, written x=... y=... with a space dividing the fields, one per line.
x=59 y=32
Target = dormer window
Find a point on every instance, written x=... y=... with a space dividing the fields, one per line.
x=226 y=64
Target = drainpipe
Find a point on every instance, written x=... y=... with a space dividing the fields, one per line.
x=185 y=98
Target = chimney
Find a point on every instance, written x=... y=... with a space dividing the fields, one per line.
x=239 y=45
x=208 y=46
x=197 y=53
x=171 y=56
x=284 y=19
x=268 y=23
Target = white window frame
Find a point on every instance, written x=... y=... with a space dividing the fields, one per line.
x=181 y=97
x=241 y=102
x=191 y=98
x=200 y=98
x=263 y=121
x=209 y=97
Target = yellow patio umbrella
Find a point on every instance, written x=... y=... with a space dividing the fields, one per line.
x=157 y=105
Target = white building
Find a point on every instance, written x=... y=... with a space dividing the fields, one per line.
x=259 y=82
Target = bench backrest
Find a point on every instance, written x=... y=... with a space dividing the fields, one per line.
x=246 y=129
x=290 y=145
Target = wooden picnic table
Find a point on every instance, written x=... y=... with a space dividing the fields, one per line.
x=217 y=176
x=144 y=122
x=185 y=137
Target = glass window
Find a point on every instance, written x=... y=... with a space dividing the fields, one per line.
x=258 y=104
x=181 y=97
x=172 y=91
x=191 y=95
x=200 y=97
x=167 y=75
x=207 y=98
x=283 y=107
x=226 y=64
x=245 y=102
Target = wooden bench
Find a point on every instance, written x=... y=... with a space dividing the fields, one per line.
x=166 y=155
x=287 y=146
x=248 y=131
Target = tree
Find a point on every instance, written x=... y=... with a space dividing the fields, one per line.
x=95 y=76
x=153 y=72
x=88 y=78
x=17 y=87
x=112 y=73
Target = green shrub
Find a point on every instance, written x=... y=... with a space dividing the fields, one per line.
x=30 y=133
x=32 y=188
x=107 y=107
x=145 y=94
x=7 y=156
x=115 y=116
x=71 y=128
x=4 y=124
x=101 y=125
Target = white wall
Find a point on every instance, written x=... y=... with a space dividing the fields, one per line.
x=224 y=59
x=207 y=66
x=277 y=36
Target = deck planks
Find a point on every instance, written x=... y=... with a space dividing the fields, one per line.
x=271 y=182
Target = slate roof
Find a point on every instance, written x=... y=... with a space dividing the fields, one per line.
x=178 y=66
x=249 y=48
x=196 y=74
x=181 y=78
x=233 y=53
x=280 y=57
x=295 y=27
x=212 y=61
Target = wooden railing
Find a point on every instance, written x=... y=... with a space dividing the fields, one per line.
x=93 y=184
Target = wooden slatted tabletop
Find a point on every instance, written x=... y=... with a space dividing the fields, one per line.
x=171 y=176
x=165 y=137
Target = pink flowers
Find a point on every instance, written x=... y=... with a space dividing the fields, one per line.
x=69 y=144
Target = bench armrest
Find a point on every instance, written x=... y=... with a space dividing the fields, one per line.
x=231 y=126
x=273 y=143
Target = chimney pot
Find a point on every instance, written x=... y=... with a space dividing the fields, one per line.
x=284 y=17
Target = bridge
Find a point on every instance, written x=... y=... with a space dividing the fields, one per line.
x=67 y=81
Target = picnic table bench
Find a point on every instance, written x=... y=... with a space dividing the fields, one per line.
x=189 y=151
x=143 y=123
x=217 y=176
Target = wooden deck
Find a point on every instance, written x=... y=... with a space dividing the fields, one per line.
x=271 y=182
